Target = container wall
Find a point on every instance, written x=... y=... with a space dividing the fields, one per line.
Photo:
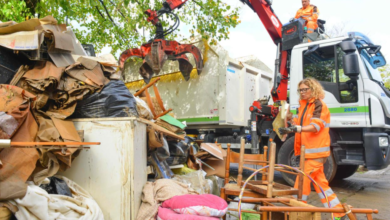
x=114 y=172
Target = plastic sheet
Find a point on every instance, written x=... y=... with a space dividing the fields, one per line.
x=196 y=180
x=179 y=151
x=114 y=100
x=162 y=169
x=57 y=186
x=163 y=152
x=143 y=109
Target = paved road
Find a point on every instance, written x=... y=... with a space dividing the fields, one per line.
x=362 y=190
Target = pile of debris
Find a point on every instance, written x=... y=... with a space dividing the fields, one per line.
x=46 y=77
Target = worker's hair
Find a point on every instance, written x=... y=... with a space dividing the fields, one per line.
x=317 y=91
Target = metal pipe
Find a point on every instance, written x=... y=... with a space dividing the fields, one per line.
x=255 y=138
x=277 y=76
x=5 y=143
x=52 y=143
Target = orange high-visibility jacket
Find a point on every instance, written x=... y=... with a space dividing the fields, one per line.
x=313 y=112
x=310 y=13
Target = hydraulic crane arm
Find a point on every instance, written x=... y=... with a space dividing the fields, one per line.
x=266 y=14
x=274 y=28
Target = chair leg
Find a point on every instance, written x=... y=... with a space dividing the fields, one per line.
x=223 y=196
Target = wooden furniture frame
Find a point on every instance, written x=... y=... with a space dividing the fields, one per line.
x=258 y=189
x=282 y=205
x=145 y=93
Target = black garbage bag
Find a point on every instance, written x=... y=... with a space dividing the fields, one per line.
x=114 y=100
x=57 y=186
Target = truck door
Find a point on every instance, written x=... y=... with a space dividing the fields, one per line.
x=343 y=96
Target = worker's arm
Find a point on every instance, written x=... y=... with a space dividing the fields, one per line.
x=298 y=14
x=315 y=14
x=308 y=128
x=321 y=116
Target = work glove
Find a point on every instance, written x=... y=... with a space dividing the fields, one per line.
x=291 y=129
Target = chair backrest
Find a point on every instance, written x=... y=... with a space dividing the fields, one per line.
x=252 y=159
x=155 y=103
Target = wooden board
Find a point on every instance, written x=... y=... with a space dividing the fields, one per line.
x=161 y=129
x=277 y=190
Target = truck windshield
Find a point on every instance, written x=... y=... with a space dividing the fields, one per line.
x=374 y=73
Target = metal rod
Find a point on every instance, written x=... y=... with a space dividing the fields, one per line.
x=247 y=211
x=315 y=209
x=286 y=171
x=54 y=148
x=259 y=200
x=205 y=164
x=52 y=143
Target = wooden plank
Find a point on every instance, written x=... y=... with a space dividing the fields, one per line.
x=271 y=170
x=161 y=129
x=256 y=188
x=302 y=168
x=264 y=176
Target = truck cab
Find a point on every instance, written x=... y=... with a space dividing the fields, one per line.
x=347 y=68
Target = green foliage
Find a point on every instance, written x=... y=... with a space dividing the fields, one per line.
x=385 y=74
x=210 y=18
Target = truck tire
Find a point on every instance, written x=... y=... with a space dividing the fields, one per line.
x=345 y=171
x=286 y=156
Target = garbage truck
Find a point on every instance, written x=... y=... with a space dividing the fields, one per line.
x=347 y=68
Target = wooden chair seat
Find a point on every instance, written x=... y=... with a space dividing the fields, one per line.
x=235 y=190
x=277 y=189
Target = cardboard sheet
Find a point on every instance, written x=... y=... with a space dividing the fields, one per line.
x=281 y=120
x=46 y=70
x=105 y=60
x=28 y=25
x=18 y=164
x=24 y=40
x=213 y=149
x=78 y=48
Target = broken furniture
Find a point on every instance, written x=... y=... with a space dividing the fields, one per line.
x=292 y=209
x=155 y=103
x=269 y=187
x=257 y=189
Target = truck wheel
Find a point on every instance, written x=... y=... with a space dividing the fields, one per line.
x=345 y=171
x=286 y=156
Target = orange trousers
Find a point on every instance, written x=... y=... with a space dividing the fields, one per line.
x=315 y=170
x=311 y=26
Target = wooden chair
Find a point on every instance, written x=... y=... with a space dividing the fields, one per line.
x=155 y=103
x=256 y=189
x=235 y=188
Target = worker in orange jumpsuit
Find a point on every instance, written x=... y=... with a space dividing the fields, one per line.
x=311 y=128
x=310 y=14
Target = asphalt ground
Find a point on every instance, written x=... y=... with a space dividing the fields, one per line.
x=369 y=189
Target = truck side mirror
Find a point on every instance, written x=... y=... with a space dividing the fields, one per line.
x=350 y=59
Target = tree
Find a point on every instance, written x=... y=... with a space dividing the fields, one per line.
x=385 y=74
x=122 y=24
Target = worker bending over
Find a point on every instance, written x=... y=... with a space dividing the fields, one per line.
x=311 y=128
x=310 y=14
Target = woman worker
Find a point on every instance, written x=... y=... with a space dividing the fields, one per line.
x=311 y=128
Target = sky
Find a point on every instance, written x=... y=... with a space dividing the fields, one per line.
x=370 y=17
